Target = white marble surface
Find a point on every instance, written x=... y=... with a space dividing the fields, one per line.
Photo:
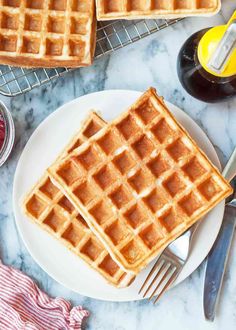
x=151 y=61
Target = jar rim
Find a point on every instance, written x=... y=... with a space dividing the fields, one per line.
x=9 y=134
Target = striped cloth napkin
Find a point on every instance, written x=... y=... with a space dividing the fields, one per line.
x=23 y=306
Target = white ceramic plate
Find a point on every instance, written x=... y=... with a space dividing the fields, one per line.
x=41 y=150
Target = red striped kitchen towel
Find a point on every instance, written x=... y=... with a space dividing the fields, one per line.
x=23 y=306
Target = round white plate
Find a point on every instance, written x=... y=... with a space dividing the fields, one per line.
x=41 y=150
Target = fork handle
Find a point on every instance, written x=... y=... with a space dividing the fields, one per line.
x=229 y=171
x=192 y=229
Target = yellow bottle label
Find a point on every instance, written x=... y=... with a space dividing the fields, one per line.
x=208 y=45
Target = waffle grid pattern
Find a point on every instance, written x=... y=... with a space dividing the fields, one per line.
x=111 y=36
x=47 y=32
x=107 y=9
x=140 y=182
x=47 y=206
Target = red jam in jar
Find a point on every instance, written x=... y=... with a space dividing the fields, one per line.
x=7 y=133
x=2 y=131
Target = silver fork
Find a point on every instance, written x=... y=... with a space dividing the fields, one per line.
x=168 y=266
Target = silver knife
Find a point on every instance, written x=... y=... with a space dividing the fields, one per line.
x=218 y=256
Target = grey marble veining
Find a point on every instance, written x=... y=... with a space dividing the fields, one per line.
x=150 y=62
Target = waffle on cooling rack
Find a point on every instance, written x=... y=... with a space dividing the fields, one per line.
x=47 y=206
x=140 y=182
x=136 y=9
x=47 y=33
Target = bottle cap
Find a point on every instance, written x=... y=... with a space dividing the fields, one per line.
x=217 y=49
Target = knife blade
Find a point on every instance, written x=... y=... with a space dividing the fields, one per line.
x=218 y=256
x=216 y=263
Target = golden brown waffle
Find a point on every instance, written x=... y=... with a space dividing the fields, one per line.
x=136 y=9
x=47 y=33
x=140 y=182
x=51 y=210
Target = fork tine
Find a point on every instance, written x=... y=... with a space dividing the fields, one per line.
x=167 y=285
x=150 y=274
x=161 y=280
x=155 y=278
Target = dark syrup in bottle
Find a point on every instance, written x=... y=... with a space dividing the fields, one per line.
x=198 y=82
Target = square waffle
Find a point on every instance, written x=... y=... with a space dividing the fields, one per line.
x=136 y=9
x=47 y=206
x=47 y=33
x=140 y=182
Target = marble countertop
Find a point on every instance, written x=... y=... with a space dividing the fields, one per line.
x=153 y=63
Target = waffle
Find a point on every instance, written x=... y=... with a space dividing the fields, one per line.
x=47 y=33
x=140 y=182
x=51 y=210
x=137 y=9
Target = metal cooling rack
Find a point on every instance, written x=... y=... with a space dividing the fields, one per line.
x=111 y=36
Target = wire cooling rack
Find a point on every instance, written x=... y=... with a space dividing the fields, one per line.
x=111 y=36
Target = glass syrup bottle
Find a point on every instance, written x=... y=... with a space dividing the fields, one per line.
x=207 y=63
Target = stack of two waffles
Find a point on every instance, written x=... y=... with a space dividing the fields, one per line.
x=122 y=191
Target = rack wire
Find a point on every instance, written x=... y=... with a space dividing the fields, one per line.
x=111 y=36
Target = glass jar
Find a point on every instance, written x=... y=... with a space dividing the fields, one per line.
x=7 y=133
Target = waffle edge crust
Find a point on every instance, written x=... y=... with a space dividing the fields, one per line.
x=46 y=206
x=140 y=182
x=138 y=9
x=47 y=33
